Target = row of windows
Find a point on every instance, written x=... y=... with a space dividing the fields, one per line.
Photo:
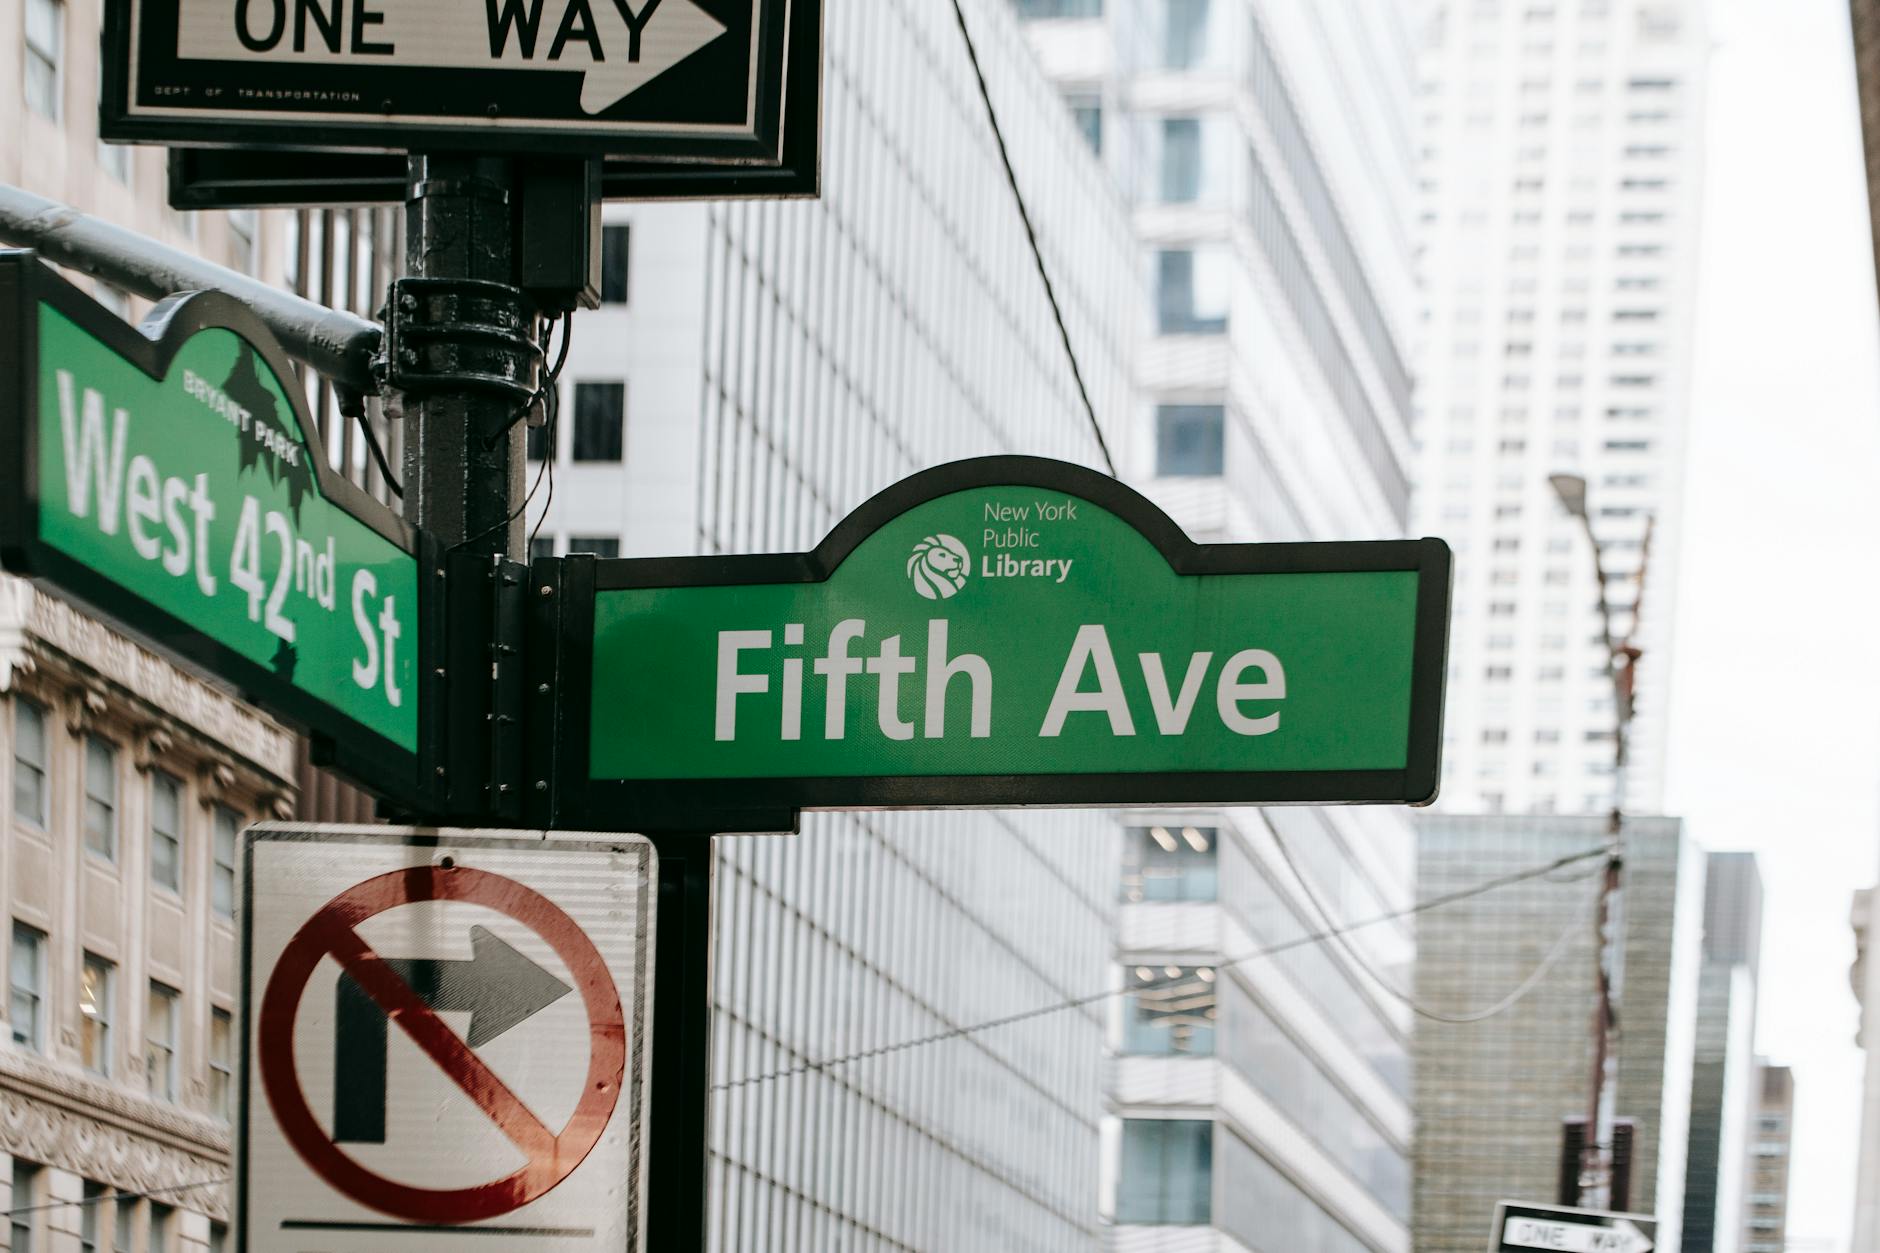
x=32 y=792
x=97 y=1005
x=1182 y=863
x=605 y=546
x=99 y=1208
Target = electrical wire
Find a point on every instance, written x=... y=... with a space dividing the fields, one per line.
x=378 y=454
x=112 y=1196
x=1301 y=941
x=545 y=392
x=1554 y=952
x=1031 y=237
x=553 y=400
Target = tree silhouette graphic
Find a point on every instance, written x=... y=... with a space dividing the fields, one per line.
x=244 y=386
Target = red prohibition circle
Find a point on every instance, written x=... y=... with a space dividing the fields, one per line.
x=552 y=1156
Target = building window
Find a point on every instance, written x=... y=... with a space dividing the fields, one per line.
x=1060 y=8
x=115 y=159
x=1166 y=1172
x=614 y=240
x=244 y=228
x=600 y=419
x=160 y=1041
x=1190 y=440
x=95 y=1008
x=1170 y=863
x=28 y=988
x=1181 y=160
x=29 y=763
x=1191 y=291
x=538 y=439
x=1170 y=1010
x=599 y=545
x=92 y=1196
x=166 y=831
x=126 y=1209
x=45 y=45
x=227 y=837
x=1185 y=42
x=1087 y=112
x=218 y=1238
x=541 y=546
x=101 y=794
x=221 y=1062
x=24 y=1205
x=160 y=1223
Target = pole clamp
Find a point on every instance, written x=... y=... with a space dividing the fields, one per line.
x=459 y=334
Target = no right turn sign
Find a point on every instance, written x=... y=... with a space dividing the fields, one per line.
x=446 y=1032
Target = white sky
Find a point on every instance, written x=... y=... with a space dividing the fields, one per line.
x=1775 y=732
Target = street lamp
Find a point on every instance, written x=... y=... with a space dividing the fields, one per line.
x=1622 y=657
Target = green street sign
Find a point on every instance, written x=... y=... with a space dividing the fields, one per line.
x=172 y=480
x=1001 y=632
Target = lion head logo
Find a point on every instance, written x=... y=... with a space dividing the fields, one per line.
x=939 y=566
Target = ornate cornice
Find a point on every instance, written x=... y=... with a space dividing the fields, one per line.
x=40 y=633
x=111 y=1136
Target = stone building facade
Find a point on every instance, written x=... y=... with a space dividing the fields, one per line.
x=127 y=784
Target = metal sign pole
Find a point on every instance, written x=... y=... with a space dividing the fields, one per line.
x=462 y=361
x=463 y=473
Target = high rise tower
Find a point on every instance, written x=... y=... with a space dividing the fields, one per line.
x=1560 y=181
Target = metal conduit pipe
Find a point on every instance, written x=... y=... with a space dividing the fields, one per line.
x=339 y=345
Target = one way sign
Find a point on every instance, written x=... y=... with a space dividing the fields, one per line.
x=445 y=1034
x=669 y=80
x=1564 y=1230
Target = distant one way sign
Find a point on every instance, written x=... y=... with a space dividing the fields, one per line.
x=445 y=1033
x=1564 y=1230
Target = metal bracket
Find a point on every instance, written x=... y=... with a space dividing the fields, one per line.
x=459 y=334
x=503 y=792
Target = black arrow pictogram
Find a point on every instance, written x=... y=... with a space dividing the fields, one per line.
x=498 y=987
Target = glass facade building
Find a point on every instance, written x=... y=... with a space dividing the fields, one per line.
x=1260 y=1103
x=1724 y=1069
x=766 y=367
x=1491 y=1094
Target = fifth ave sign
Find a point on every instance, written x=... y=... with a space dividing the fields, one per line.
x=689 y=80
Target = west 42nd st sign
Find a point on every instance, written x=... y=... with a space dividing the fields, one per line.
x=176 y=484
x=1009 y=631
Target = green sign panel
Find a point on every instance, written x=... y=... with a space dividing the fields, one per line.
x=1007 y=632
x=177 y=485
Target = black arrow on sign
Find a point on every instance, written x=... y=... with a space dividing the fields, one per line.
x=498 y=987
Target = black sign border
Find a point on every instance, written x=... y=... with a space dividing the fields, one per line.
x=772 y=804
x=789 y=45
x=679 y=1079
x=340 y=742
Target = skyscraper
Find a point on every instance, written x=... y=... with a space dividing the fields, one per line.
x=1497 y=1072
x=1766 y=1202
x=1560 y=180
x=1264 y=149
x=1724 y=1078
x=756 y=372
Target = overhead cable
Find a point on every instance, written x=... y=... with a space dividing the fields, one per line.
x=1300 y=941
x=1031 y=237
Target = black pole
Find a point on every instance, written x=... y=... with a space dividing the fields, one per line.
x=463 y=472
